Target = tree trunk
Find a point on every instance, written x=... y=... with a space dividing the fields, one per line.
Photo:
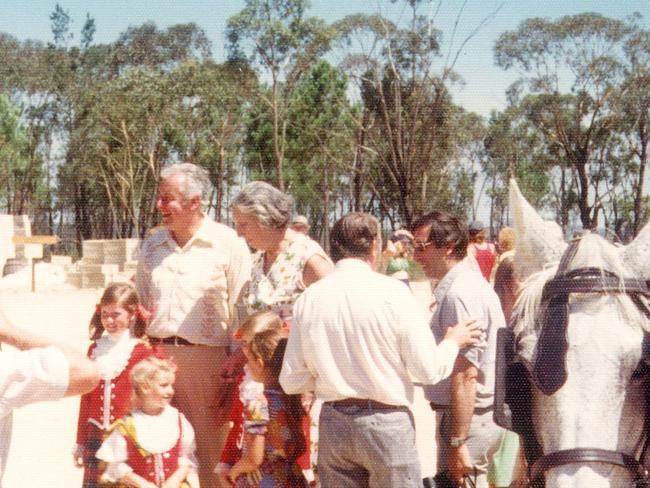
x=643 y=160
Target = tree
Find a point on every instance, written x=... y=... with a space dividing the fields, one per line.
x=209 y=118
x=584 y=55
x=513 y=148
x=21 y=177
x=281 y=40
x=405 y=130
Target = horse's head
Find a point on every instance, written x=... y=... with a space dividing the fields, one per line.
x=580 y=322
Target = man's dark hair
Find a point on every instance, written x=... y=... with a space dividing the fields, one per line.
x=447 y=230
x=353 y=236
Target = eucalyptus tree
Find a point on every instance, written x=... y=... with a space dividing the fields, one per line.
x=405 y=130
x=572 y=69
x=513 y=148
x=211 y=101
x=319 y=142
x=19 y=180
x=278 y=38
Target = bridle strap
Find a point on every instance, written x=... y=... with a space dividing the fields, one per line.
x=585 y=455
x=593 y=280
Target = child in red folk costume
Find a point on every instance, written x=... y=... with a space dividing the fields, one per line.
x=153 y=446
x=273 y=424
x=116 y=331
x=249 y=391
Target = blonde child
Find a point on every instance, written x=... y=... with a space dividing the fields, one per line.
x=274 y=424
x=153 y=446
x=116 y=330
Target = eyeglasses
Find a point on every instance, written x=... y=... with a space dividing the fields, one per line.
x=421 y=246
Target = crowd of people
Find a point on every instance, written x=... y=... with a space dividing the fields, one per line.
x=249 y=357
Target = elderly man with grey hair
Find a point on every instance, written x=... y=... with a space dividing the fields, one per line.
x=190 y=275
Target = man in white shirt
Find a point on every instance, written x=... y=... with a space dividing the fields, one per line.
x=39 y=370
x=357 y=340
x=190 y=275
x=467 y=434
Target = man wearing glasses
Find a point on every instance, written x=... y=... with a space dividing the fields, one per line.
x=467 y=435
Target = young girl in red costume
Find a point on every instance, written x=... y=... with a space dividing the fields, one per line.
x=249 y=393
x=116 y=331
x=153 y=446
x=273 y=424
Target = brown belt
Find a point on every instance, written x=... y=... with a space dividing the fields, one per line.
x=362 y=403
x=173 y=340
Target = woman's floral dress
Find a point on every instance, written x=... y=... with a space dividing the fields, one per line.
x=282 y=285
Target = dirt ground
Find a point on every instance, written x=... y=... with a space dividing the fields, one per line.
x=44 y=433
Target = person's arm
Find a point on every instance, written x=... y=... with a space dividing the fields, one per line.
x=143 y=279
x=316 y=267
x=238 y=273
x=463 y=393
x=83 y=375
x=295 y=376
x=425 y=360
x=251 y=458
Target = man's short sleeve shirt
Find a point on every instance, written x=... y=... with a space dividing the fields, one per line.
x=461 y=295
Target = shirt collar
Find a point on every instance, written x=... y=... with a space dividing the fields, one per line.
x=202 y=234
x=352 y=263
x=443 y=285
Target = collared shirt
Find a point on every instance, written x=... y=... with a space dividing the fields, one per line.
x=191 y=291
x=464 y=294
x=359 y=334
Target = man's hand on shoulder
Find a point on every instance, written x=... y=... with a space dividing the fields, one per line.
x=467 y=333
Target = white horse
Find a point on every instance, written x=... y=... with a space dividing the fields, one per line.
x=602 y=403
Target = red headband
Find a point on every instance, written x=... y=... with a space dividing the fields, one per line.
x=142 y=313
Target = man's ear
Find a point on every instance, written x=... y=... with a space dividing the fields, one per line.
x=195 y=202
x=450 y=250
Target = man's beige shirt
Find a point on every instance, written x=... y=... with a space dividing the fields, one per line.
x=192 y=291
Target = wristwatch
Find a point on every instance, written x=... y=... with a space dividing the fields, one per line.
x=456 y=441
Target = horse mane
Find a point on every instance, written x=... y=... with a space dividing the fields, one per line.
x=593 y=251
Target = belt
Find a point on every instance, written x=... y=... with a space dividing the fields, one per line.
x=436 y=407
x=173 y=340
x=363 y=403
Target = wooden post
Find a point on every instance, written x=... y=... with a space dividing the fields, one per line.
x=44 y=240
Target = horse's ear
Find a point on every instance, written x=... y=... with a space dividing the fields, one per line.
x=636 y=255
x=539 y=242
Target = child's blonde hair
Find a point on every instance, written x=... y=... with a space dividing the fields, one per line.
x=146 y=371
x=125 y=296
x=260 y=321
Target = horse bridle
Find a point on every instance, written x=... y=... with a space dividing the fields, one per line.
x=552 y=348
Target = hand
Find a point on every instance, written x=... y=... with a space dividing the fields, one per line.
x=171 y=484
x=147 y=484
x=459 y=463
x=233 y=366
x=466 y=333
x=225 y=478
x=307 y=400
x=78 y=457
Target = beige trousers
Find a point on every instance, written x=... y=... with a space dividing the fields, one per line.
x=199 y=394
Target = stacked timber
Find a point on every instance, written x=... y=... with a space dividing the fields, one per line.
x=104 y=261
